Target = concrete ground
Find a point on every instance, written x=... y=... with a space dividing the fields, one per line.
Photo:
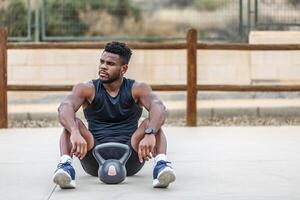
x=255 y=163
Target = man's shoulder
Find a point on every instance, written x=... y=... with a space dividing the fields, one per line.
x=140 y=89
x=84 y=88
x=84 y=85
x=140 y=85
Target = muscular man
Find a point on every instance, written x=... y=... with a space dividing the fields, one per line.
x=112 y=106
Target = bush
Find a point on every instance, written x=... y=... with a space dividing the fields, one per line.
x=294 y=2
x=63 y=16
x=120 y=9
x=15 y=18
x=179 y=3
x=2 y=18
x=62 y=19
x=209 y=5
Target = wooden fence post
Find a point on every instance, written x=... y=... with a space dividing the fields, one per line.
x=191 y=119
x=3 y=79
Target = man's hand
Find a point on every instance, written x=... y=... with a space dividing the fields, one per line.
x=79 y=145
x=146 y=147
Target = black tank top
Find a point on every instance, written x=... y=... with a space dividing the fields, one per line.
x=113 y=119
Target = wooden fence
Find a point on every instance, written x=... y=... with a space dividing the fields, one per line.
x=191 y=87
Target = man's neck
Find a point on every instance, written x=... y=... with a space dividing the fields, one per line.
x=114 y=87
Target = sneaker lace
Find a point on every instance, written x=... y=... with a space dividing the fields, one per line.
x=163 y=162
x=62 y=165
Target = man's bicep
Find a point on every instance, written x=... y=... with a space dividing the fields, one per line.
x=147 y=96
x=76 y=98
x=74 y=101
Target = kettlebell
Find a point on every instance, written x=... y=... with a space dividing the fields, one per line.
x=112 y=171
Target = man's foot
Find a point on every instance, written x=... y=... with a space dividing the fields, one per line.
x=64 y=175
x=163 y=174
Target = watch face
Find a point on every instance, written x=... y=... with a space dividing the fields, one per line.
x=149 y=130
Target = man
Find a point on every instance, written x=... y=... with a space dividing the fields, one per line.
x=112 y=106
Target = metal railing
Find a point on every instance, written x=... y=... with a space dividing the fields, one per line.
x=276 y=14
x=191 y=86
x=94 y=20
x=133 y=21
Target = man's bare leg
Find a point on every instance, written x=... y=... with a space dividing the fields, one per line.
x=163 y=172
x=65 y=142
x=161 y=141
x=65 y=173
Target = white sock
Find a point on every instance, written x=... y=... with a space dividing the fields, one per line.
x=160 y=157
x=65 y=158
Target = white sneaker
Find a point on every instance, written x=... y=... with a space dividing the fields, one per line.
x=163 y=174
x=64 y=176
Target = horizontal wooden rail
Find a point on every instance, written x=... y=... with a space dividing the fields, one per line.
x=95 y=45
x=155 y=46
x=69 y=87
x=232 y=88
x=250 y=88
x=252 y=47
x=45 y=88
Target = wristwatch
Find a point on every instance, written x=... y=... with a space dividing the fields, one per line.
x=149 y=131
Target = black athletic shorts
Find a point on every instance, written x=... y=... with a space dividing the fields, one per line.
x=91 y=166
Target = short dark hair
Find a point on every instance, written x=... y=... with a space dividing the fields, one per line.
x=119 y=48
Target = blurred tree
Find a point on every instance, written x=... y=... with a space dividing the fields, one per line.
x=179 y=3
x=2 y=17
x=15 y=18
x=118 y=8
x=294 y=2
x=209 y=5
x=62 y=19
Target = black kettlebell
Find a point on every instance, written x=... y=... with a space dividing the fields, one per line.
x=112 y=171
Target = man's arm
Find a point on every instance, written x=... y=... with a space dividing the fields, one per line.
x=80 y=94
x=144 y=95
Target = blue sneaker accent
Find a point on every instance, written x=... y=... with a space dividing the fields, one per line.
x=160 y=165
x=64 y=175
x=163 y=174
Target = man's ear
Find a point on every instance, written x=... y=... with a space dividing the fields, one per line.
x=124 y=69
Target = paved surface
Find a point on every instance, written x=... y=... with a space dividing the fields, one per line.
x=211 y=163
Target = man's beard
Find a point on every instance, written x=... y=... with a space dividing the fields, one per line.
x=111 y=79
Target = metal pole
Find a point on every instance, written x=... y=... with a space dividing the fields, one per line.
x=43 y=15
x=241 y=24
x=255 y=12
x=28 y=20
x=249 y=17
x=37 y=27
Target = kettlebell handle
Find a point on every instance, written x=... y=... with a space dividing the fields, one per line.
x=123 y=159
